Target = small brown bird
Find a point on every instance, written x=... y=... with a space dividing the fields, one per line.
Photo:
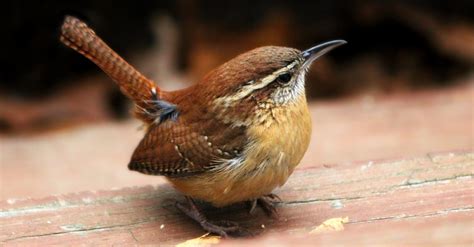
x=234 y=136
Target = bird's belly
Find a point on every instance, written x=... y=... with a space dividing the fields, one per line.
x=266 y=164
x=235 y=184
x=221 y=190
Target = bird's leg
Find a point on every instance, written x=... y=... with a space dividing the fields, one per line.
x=193 y=212
x=267 y=203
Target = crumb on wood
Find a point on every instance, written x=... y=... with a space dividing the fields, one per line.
x=331 y=225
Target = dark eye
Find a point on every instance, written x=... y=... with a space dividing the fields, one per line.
x=284 y=78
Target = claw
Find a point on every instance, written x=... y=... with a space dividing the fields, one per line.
x=253 y=205
x=274 y=197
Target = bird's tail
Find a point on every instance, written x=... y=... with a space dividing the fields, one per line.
x=143 y=91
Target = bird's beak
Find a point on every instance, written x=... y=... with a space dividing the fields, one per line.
x=315 y=52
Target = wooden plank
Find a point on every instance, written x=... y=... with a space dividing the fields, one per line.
x=425 y=200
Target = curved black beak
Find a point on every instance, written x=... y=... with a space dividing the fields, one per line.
x=315 y=52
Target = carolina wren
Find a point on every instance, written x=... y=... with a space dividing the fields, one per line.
x=234 y=136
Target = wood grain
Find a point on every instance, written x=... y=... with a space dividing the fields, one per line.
x=425 y=200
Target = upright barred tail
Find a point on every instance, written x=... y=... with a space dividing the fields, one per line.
x=78 y=36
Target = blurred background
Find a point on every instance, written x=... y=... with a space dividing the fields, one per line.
x=402 y=87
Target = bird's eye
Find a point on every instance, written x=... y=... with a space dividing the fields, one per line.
x=284 y=78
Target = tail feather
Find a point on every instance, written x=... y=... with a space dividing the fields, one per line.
x=78 y=36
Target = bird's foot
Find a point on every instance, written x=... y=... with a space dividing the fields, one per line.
x=267 y=203
x=221 y=228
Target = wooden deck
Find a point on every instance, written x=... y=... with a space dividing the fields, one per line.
x=424 y=200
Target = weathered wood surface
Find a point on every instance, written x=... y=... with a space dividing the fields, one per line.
x=425 y=200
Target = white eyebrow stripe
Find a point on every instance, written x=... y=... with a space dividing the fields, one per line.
x=247 y=89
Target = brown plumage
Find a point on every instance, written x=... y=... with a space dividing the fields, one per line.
x=234 y=136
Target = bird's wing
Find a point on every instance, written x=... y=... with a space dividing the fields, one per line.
x=181 y=148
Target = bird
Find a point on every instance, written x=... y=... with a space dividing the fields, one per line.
x=234 y=136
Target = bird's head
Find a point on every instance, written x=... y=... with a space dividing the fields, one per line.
x=266 y=77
